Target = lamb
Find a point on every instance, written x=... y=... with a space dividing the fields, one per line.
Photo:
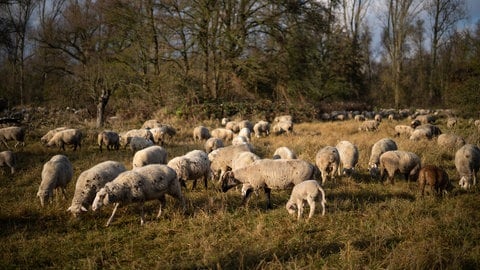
x=110 y=139
x=245 y=132
x=369 y=125
x=434 y=177
x=66 y=137
x=221 y=159
x=201 y=133
x=348 y=153
x=151 y=155
x=12 y=134
x=56 y=174
x=239 y=140
x=125 y=137
x=213 y=144
x=406 y=163
x=7 y=158
x=233 y=126
x=268 y=174
x=261 y=128
x=467 y=163
x=284 y=153
x=90 y=181
x=327 y=161
x=450 y=141
x=49 y=135
x=191 y=166
x=283 y=127
x=403 y=130
x=222 y=133
x=378 y=148
x=143 y=184
x=139 y=143
x=310 y=191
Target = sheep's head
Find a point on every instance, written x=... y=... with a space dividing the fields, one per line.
x=465 y=182
x=102 y=198
x=228 y=181
x=374 y=171
x=291 y=207
x=76 y=209
x=43 y=195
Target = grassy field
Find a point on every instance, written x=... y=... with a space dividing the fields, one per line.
x=367 y=224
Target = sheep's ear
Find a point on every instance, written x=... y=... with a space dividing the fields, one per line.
x=229 y=168
x=83 y=209
x=69 y=209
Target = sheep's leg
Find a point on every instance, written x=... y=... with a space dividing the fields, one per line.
x=64 y=192
x=299 y=209
x=248 y=192
x=205 y=182
x=113 y=213
x=311 y=203
x=267 y=194
x=162 y=204
x=142 y=215
x=194 y=185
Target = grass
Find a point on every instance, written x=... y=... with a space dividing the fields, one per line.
x=367 y=225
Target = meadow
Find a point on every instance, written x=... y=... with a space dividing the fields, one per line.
x=368 y=224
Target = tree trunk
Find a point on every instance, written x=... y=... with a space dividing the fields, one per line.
x=102 y=103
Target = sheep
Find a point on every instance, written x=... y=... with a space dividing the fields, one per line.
x=281 y=118
x=201 y=133
x=425 y=119
x=151 y=155
x=139 y=143
x=126 y=136
x=426 y=131
x=415 y=123
x=451 y=122
x=268 y=174
x=7 y=158
x=406 y=163
x=283 y=127
x=152 y=123
x=222 y=133
x=49 y=135
x=261 y=128
x=233 y=126
x=378 y=148
x=327 y=161
x=369 y=125
x=436 y=178
x=245 y=124
x=213 y=144
x=245 y=132
x=284 y=153
x=12 y=134
x=239 y=140
x=243 y=159
x=450 y=141
x=403 y=130
x=359 y=118
x=348 y=153
x=467 y=163
x=156 y=135
x=167 y=131
x=378 y=117
x=221 y=159
x=66 y=137
x=310 y=191
x=56 y=174
x=90 y=181
x=142 y=184
x=224 y=121
x=110 y=139
x=191 y=166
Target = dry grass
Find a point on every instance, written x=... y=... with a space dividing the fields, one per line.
x=367 y=225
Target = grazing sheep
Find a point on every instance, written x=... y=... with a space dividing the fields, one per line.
x=284 y=153
x=281 y=118
x=434 y=177
x=426 y=131
x=403 y=130
x=90 y=181
x=378 y=117
x=56 y=174
x=261 y=128
x=221 y=159
x=126 y=136
x=378 y=148
x=225 y=121
x=450 y=141
x=167 y=131
x=192 y=166
x=66 y=137
x=268 y=174
x=110 y=139
x=310 y=191
x=7 y=158
x=415 y=123
x=213 y=144
x=152 y=123
x=359 y=118
x=245 y=124
x=223 y=134
x=451 y=122
x=327 y=161
x=348 y=153
x=425 y=119
x=467 y=163
x=239 y=140
x=151 y=155
x=49 y=135
x=233 y=126
x=245 y=132
x=369 y=125
x=243 y=159
x=406 y=163
x=157 y=135
x=201 y=133
x=283 y=127
x=12 y=134
x=143 y=184
x=139 y=143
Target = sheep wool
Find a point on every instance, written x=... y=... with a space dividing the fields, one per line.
x=56 y=173
x=310 y=191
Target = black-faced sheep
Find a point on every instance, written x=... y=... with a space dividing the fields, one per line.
x=56 y=174
x=467 y=163
x=310 y=191
x=434 y=177
x=406 y=163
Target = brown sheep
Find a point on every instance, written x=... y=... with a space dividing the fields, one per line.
x=436 y=178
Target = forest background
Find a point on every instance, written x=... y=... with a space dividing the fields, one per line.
x=215 y=58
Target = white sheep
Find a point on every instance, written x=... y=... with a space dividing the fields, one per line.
x=151 y=123
x=245 y=124
x=151 y=155
x=283 y=127
x=7 y=158
x=327 y=161
x=261 y=128
x=284 y=152
x=126 y=136
x=403 y=130
x=369 y=125
x=167 y=131
x=193 y=165
x=201 y=133
x=348 y=153
x=142 y=184
x=156 y=135
x=378 y=148
x=222 y=133
x=359 y=118
x=213 y=144
x=450 y=141
x=378 y=117
x=425 y=118
x=221 y=159
x=49 y=135
x=404 y=162
x=243 y=159
x=310 y=191
x=56 y=174
x=139 y=143
x=110 y=139
x=426 y=131
x=281 y=118
x=467 y=163
x=239 y=140
x=245 y=132
x=90 y=181
x=12 y=134
x=268 y=174
x=233 y=126
x=70 y=136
